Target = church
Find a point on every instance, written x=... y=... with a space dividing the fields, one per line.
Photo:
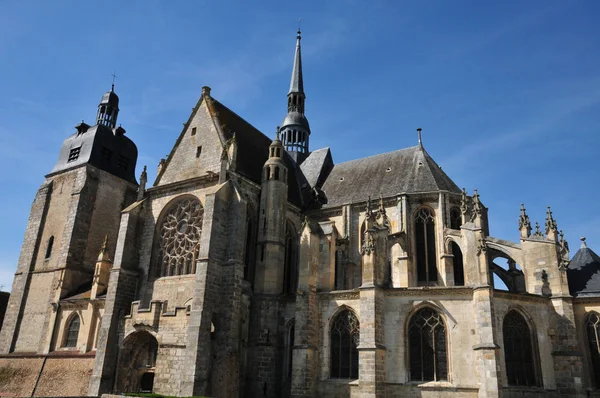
x=255 y=266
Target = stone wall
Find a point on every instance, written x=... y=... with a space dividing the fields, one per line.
x=22 y=377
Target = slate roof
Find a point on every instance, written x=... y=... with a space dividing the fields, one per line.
x=407 y=170
x=253 y=150
x=583 y=273
x=297 y=83
x=317 y=166
x=94 y=143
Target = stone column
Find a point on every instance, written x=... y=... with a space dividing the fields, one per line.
x=372 y=352
x=568 y=359
x=305 y=349
x=486 y=349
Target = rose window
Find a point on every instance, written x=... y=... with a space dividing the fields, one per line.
x=179 y=238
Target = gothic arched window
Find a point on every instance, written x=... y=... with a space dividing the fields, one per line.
x=518 y=350
x=459 y=269
x=455 y=218
x=425 y=243
x=290 y=348
x=290 y=277
x=179 y=237
x=427 y=346
x=72 y=332
x=592 y=326
x=345 y=335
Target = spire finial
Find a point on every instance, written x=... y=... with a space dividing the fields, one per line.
x=299 y=31
x=583 y=244
x=277 y=132
x=419 y=134
x=114 y=76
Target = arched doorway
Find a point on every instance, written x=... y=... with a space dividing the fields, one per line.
x=137 y=361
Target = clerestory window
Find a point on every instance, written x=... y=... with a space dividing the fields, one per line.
x=425 y=243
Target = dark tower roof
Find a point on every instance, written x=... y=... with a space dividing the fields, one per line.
x=103 y=145
x=110 y=98
x=297 y=84
x=583 y=272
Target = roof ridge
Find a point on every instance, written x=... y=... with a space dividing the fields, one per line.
x=432 y=163
x=377 y=155
x=241 y=118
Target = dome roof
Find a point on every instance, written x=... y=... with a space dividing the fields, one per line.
x=110 y=98
x=295 y=119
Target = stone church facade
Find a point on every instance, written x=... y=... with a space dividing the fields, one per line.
x=255 y=267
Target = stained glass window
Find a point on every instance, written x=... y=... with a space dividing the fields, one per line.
x=427 y=346
x=345 y=335
x=179 y=238
x=425 y=242
x=72 y=332
x=518 y=351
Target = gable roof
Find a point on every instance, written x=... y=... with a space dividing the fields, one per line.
x=253 y=146
x=407 y=170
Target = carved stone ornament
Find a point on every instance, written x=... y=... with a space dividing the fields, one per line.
x=538 y=233
x=368 y=246
x=481 y=247
x=550 y=222
x=464 y=203
x=563 y=253
x=524 y=222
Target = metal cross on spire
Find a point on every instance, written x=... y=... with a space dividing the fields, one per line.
x=114 y=76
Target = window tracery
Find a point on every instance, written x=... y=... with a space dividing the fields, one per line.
x=518 y=350
x=425 y=244
x=345 y=336
x=593 y=335
x=72 y=332
x=427 y=346
x=179 y=238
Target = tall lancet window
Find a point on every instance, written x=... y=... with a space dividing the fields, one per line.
x=425 y=245
x=290 y=277
x=518 y=350
x=593 y=336
x=178 y=237
x=345 y=336
x=72 y=332
x=427 y=346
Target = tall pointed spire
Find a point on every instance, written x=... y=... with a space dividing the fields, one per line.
x=297 y=84
x=295 y=130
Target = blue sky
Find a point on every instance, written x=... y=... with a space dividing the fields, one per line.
x=507 y=92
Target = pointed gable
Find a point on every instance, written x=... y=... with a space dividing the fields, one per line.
x=198 y=148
